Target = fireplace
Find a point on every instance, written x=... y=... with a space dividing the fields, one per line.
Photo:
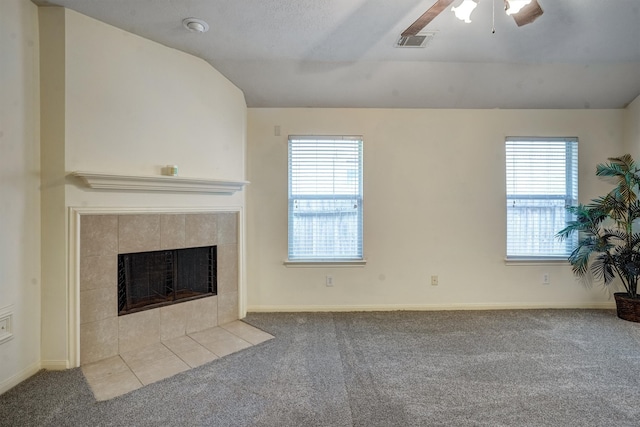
x=154 y=279
x=105 y=236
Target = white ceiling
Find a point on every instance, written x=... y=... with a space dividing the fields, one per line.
x=340 y=53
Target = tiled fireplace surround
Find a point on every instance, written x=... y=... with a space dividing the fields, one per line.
x=103 y=333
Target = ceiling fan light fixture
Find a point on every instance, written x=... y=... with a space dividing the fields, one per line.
x=463 y=12
x=195 y=25
x=514 y=6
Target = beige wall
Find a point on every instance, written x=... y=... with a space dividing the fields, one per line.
x=134 y=106
x=128 y=106
x=434 y=205
x=52 y=145
x=19 y=190
x=632 y=129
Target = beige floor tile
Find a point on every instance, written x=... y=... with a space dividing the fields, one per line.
x=190 y=351
x=137 y=359
x=220 y=342
x=181 y=344
x=104 y=368
x=209 y=335
x=226 y=347
x=247 y=332
x=160 y=369
x=114 y=385
x=197 y=357
x=131 y=370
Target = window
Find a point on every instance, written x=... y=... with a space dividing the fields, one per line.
x=542 y=179
x=325 y=198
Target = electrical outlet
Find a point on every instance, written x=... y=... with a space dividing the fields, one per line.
x=328 y=280
x=434 y=280
x=546 y=279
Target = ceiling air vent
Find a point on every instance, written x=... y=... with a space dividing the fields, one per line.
x=419 y=40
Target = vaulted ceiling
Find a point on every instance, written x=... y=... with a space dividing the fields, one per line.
x=339 y=53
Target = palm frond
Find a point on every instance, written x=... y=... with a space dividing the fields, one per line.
x=623 y=169
x=612 y=205
x=608 y=246
x=602 y=268
x=614 y=235
x=617 y=166
x=634 y=211
x=579 y=258
x=587 y=220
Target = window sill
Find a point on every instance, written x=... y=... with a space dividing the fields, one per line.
x=536 y=261
x=325 y=263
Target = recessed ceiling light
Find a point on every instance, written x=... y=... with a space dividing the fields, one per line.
x=196 y=25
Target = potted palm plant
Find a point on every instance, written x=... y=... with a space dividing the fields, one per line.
x=608 y=246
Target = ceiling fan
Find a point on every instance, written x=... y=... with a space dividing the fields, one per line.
x=529 y=12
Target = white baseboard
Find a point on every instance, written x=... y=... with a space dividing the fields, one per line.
x=55 y=365
x=428 y=307
x=19 y=377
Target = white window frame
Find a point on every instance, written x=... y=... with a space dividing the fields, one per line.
x=299 y=255
x=547 y=248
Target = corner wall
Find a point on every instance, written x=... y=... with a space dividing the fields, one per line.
x=632 y=129
x=52 y=146
x=434 y=204
x=129 y=106
x=19 y=190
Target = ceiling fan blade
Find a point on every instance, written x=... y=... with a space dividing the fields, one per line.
x=426 y=17
x=528 y=14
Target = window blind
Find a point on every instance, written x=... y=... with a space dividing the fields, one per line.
x=542 y=179
x=325 y=198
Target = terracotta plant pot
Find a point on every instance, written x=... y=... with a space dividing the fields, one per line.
x=628 y=308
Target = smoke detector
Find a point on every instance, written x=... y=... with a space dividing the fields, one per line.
x=195 y=25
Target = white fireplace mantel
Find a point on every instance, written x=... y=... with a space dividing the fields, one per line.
x=162 y=183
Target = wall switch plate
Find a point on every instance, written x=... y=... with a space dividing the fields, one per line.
x=329 y=280
x=546 y=279
x=434 y=280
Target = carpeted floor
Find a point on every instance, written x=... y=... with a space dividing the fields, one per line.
x=465 y=368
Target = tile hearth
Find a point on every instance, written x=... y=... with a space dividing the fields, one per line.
x=128 y=371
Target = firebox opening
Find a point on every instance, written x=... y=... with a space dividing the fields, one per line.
x=154 y=279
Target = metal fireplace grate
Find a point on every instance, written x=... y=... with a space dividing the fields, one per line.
x=158 y=278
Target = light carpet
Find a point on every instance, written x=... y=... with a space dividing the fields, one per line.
x=457 y=368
